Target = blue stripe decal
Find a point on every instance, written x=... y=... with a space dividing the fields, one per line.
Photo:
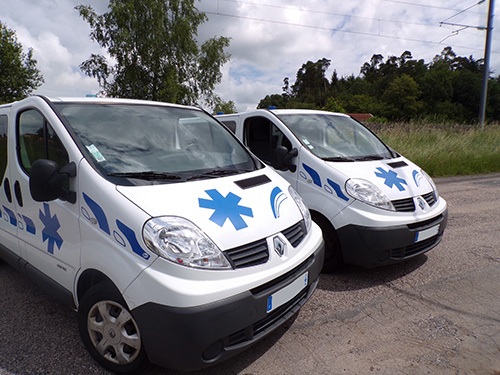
x=277 y=197
x=30 y=225
x=337 y=189
x=12 y=216
x=132 y=239
x=98 y=213
x=314 y=175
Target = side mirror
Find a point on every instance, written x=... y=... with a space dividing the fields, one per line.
x=282 y=159
x=47 y=181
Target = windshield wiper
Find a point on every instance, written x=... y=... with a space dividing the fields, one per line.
x=148 y=175
x=369 y=157
x=338 y=158
x=216 y=173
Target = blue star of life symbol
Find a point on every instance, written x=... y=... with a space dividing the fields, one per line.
x=49 y=233
x=391 y=178
x=226 y=208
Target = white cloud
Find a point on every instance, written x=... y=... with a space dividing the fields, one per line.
x=267 y=41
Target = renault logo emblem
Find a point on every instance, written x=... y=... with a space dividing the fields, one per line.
x=421 y=203
x=279 y=246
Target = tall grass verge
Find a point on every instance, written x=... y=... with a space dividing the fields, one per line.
x=445 y=150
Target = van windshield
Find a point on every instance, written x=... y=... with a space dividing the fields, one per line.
x=148 y=142
x=336 y=138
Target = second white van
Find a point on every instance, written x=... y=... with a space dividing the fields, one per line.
x=375 y=207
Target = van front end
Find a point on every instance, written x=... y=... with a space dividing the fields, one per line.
x=193 y=318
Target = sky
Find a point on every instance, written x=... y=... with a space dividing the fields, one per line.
x=270 y=39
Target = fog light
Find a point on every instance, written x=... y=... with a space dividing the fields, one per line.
x=384 y=256
x=213 y=351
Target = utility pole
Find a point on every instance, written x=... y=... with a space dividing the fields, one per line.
x=486 y=66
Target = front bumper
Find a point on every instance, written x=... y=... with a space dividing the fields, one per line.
x=193 y=338
x=375 y=246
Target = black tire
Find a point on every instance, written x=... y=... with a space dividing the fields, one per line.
x=109 y=331
x=333 y=251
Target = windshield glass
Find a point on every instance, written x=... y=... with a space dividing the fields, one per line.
x=336 y=138
x=155 y=142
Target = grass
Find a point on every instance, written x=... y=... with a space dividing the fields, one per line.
x=445 y=150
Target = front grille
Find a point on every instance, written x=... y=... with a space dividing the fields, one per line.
x=416 y=248
x=430 y=198
x=408 y=205
x=296 y=233
x=248 y=255
x=257 y=252
x=404 y=205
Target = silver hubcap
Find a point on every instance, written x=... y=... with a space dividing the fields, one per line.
x=114 y=332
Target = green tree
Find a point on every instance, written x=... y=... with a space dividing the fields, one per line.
x=153 y=44
x=402 y=96
x=18 y=73
x=311 y=85
x=222 y=106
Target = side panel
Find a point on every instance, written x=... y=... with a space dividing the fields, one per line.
x=48 y=231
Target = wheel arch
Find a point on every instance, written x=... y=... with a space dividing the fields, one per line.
x=333 y=247
x=88 y=279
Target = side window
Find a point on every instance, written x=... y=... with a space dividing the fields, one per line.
x=231 y=125
x=37 y=140
x=3 y=144
x=262 y=137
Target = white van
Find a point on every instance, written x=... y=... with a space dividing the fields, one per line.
x=374 y=206
x=174 y=243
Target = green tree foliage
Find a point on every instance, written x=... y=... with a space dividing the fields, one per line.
x=153 y=46
x=18 y=73
x=396 y=88
x=224 y=107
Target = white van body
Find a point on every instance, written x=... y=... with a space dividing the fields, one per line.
x=375 y=207
x=173 y=242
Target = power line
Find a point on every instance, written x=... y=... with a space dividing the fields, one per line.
x=335 y=30
x=429 y=6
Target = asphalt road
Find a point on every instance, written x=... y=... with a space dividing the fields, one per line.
x=436 y=314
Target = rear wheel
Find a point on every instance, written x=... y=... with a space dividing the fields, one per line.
x=109 y=331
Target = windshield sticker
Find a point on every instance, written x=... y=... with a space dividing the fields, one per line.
x=314 y=175
x=417 y=177
x=49 y=233
x=277 y=197
x=98 y=213
x=337 y=189
x=96 y=153
x=132 y=239
x=226 y=208
x=391 y=178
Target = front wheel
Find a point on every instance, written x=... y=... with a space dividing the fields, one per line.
x=333 y=251
x=109 y=331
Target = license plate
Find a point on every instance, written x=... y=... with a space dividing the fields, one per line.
x=287 y=293
x=427 y=233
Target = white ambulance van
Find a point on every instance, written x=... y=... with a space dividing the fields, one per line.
x=375 y=207
x=174 y=243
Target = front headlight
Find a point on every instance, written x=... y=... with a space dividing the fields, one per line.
x=368 y=193
x=182 y=242
x=431 y=182
x=302 y=207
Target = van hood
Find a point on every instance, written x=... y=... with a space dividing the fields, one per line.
x=232 y=210
x=398 y=178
